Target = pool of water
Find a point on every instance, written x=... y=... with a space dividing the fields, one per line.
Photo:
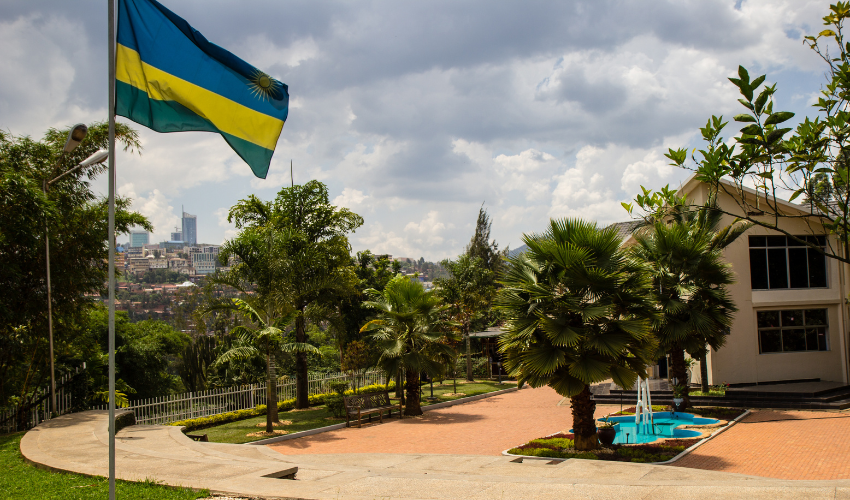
x=666 y=424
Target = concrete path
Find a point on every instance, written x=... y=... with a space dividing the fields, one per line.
x=78 y=443
x=780 y=444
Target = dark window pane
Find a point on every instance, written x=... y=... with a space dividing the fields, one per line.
x=793 y=340
x=768 y=319
x=818 y=240
x=777 y=269
x=811 y=339
x=771 y=341
x=817 y=269
x=758 y=268
x=793 y=243
x=798 y=272
x=758 y=241
x=776 y=241
x=792 y=318
x=815 y=317
x=822 y=343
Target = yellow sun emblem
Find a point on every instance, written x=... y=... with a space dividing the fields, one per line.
x=262 y=85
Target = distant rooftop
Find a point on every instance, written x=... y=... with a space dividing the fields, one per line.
x=625 y=229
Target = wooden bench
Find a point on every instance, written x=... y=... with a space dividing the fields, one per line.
x=358 y=405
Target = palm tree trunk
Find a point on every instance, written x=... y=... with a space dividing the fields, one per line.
x=301 y=389
x=411 y=406
x=584 y=425
x=271 y=395
x=679 y=371
x=469 y=376
x=399 y=388
x=703 y=371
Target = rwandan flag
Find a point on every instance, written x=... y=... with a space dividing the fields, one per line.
x=171 y=79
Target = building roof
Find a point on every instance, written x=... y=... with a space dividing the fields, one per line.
x=625 y=229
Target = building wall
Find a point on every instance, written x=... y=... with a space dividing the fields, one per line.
x=204 y=263
x=138 y=239
x=739 y=360
x=190 y=229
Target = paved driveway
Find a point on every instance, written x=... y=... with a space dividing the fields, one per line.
x=484 y=427
x=780 y=444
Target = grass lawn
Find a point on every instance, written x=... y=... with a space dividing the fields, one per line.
x=21 y=480
x=235 y=432
x=303 y=420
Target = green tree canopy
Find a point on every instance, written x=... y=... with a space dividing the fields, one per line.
x=77 y=219
x=299 y=248
x=409 y=334
x=578 y=311
x=689 y=280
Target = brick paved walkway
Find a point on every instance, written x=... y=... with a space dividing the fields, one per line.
x=780 y=444
x=484 y=427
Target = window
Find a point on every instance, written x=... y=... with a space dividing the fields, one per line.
x=792 y=331
x=778 y=262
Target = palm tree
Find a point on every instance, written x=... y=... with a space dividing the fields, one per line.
x=578 y=311
x=264 y=337
x=408 y=334
x=689 y=280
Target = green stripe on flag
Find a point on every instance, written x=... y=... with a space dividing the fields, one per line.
x=171 y=116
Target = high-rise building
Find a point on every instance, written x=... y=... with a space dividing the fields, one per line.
x=139 y=238
x=178 y=236
x=190 y=229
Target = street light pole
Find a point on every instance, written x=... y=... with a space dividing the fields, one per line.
x=78 y=133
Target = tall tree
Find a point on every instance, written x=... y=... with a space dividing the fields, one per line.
x=409 y=334
x=79 y=246
x=468 y=292
x=263 y=335
x=578 y=311
x=312 y=265
x=689 y=280
x=481 y=247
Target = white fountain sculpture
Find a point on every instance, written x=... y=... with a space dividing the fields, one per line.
x=643 y=410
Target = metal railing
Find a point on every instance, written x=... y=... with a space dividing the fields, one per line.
x=175 y=407
x=29 y=414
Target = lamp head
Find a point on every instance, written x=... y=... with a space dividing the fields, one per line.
x=98 y=157
x=75 y=137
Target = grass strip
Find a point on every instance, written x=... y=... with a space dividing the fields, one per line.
x=23 y=481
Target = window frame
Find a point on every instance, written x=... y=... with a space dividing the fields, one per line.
x=804 y=326
x=765 y=247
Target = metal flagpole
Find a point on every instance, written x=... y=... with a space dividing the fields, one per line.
x=111 y=242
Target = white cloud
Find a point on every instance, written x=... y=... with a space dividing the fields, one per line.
x=350 y=198
x=230 y=230
x=157 y=208
x=413 y=123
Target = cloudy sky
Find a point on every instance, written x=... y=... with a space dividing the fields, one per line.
x=416 y=113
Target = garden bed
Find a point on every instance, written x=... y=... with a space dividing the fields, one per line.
x=562 y=446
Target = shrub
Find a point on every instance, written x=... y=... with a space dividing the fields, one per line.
x=193 y=424
x=336 y=405
x=554 y=443
x=338 y=387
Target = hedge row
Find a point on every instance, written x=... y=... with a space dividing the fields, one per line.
x=194 y=424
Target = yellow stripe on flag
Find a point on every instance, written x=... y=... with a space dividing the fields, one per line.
x=228 y=116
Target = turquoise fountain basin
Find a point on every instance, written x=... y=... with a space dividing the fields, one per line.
x=665 y=426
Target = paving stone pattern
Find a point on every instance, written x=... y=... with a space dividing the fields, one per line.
x=780 y=444
x=484 y=427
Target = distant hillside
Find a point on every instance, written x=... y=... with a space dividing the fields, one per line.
x=518 y=250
